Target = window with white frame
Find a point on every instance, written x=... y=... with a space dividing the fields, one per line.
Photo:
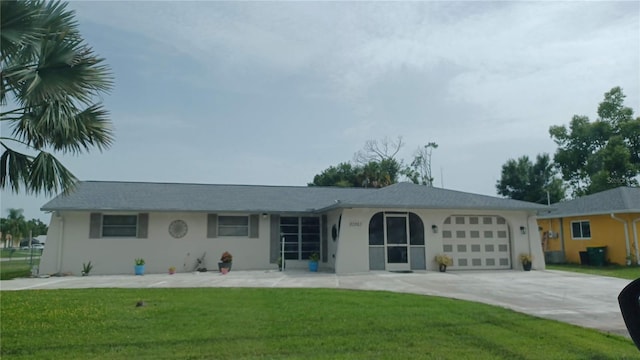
x=233 y=226
x=119 y=225
x=580 y=229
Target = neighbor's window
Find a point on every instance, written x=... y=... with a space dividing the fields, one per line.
x=120 y=225
x=233 y=226
x=580 y=230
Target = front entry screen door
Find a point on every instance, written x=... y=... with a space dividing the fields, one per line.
x=397 y=243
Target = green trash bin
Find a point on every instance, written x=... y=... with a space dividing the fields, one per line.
x=597 y=255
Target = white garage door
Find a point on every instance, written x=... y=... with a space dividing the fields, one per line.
x=477 y=242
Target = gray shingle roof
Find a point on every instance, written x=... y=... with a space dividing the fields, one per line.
x=412 y=196
x=619 y=200
x=138 y=196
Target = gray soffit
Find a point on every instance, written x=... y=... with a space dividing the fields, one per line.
x=614 y=201
x=138 y=196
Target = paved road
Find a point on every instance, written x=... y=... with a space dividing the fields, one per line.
x=584 y=300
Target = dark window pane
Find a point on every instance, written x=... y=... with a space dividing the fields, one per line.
x=233 y=220
x=302 y=236
x=289 y=221
x=575 y=230
x=416 y=229
x=120 y=220
x=397 y=254
x=310 y=221
x=233 y=231
x=119 y=225
x=376 y=229
x=586 y=229
x=396 y=230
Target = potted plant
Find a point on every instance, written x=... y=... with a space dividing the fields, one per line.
x=526 y=259
x=86 y=268
x=279 y=263
x=139 y=268
x=172 y=270
x=313 y=262
x=443 y=261
x=225 y=261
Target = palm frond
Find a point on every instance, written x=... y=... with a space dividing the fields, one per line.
x=18 y=27
x=14 y=168
x=53 y=76
x=62 y=126
x=49 y=176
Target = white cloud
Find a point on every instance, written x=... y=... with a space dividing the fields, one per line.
x=298 y=86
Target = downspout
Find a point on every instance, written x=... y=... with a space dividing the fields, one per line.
x=635 y=239
x=626 y=233
x=561 y=237
x=60 y=240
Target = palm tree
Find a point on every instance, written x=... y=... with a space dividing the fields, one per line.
x=50 y=79
x=14 y=227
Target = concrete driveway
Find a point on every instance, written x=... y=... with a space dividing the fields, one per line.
x=583 y=300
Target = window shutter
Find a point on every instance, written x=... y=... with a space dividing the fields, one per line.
x=212 y=226
x=254 y=226
x=95 y=226
x=325 y=238
x=143 y=225
x=275 y=238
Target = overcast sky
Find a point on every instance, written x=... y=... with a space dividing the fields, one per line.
x=273 y=93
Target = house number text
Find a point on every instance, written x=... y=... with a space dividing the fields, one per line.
x=355 y=223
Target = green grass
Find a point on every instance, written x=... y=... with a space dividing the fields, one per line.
x=237 y=323
x=17 y=268
x=623 y=272
x=7 y=253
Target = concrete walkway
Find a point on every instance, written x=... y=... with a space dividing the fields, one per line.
x=583 y=300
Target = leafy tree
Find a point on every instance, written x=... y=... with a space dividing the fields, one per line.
x=37 y=227
x=523 y=180
x=375 y=166
x=373 y=174
x=15 y=227
x=600 y=155
x=343 y=175
x=50 y=77
x=381 y=173
x=419 y=172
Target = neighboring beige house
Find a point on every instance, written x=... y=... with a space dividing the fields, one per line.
x=397 y=228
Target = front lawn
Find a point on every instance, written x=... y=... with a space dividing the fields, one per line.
x=17 y=268
x=240 y=323
x=623 y=272
x=17 y=253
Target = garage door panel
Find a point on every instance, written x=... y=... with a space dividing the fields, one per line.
x=477 y=242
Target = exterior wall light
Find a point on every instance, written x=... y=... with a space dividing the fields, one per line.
x=523 y=230
x=434 y=228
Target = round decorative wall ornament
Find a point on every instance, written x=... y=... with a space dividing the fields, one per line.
x=178 y=229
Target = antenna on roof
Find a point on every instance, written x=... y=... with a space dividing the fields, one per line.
x=441 y=178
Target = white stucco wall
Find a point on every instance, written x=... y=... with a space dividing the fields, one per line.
x=353 y=246
x=69 y=245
